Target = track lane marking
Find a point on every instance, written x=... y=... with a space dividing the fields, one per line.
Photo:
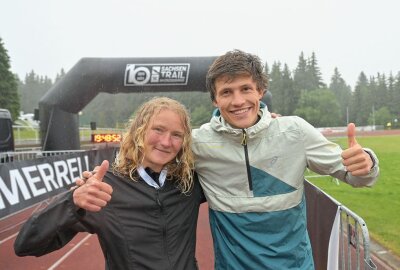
x=8 y=238
x=59 y=261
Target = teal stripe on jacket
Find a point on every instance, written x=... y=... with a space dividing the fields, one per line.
x=265 y=184
x=274 y=240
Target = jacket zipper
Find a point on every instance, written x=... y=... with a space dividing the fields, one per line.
x=246 y=155
x=164 y=225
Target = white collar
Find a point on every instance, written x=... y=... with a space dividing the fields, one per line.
x=150 y=181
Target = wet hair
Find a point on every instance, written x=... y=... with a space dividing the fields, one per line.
x=131 y=153
x=235 y=63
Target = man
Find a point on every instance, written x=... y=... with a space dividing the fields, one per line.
x=251 y=169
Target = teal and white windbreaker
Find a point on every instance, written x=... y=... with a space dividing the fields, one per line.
x=253 y=180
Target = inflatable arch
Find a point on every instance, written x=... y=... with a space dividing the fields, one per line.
x=59 y=107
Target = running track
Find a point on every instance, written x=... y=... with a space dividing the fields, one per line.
x=83 y=252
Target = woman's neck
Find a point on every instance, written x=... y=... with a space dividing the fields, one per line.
x=153 y=167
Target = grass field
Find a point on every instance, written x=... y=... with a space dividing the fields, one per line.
x=379 y=206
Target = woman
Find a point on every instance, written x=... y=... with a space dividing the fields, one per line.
x=145 y=210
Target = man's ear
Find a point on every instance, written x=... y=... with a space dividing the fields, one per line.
x=215 y=103
x=261 y=93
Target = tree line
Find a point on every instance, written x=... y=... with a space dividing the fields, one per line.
x=374 y=101
x=301 y=91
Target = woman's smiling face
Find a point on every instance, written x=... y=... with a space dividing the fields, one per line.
x=163 y=140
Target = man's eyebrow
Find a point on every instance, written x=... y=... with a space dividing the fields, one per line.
x=225 y=88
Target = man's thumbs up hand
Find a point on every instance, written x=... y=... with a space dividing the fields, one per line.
x=351 y=134
x=93 y=194
x=356 y=160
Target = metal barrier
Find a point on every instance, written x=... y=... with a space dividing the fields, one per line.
x=29 y=155
x=350 y=248
x=354 y=241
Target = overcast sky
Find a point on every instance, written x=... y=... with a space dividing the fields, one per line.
x=352 y=35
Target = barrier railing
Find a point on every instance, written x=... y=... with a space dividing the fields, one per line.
x=29 y=155
x=352 y=248
x=354 y=241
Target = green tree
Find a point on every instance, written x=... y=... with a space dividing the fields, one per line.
x=291 y=97
x=9 y=98
x=380 y=117
x=284 y=98
x=200 y=115
x=314 y=74
x=342 y=92
x=32 y=90
x=391 y=94
x=395 y=105
x=266 y=69
x=319 y=107
x=59 y=75
x=381 y=95
x=301 y=79
x=307 y=75
x=362 y=103
x=396 y=95
x=276 y=89
x=108 y=110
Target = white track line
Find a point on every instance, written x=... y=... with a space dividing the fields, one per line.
x=8 y=238
x=68 y=253
x=3 y=230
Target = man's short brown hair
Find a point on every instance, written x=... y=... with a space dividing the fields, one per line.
x=233 y=64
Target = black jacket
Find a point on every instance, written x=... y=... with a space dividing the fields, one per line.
x=140 y=228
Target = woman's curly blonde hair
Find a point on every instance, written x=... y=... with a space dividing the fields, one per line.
x=131 y=152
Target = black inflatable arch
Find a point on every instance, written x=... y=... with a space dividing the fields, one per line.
x=59 y=107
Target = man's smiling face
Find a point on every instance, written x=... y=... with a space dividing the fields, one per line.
x=238 y=100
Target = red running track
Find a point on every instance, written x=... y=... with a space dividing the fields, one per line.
x=83 y=252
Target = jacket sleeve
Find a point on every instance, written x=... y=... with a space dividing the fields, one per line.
x=324 y=157
x=50 y=229
x=197 y=184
